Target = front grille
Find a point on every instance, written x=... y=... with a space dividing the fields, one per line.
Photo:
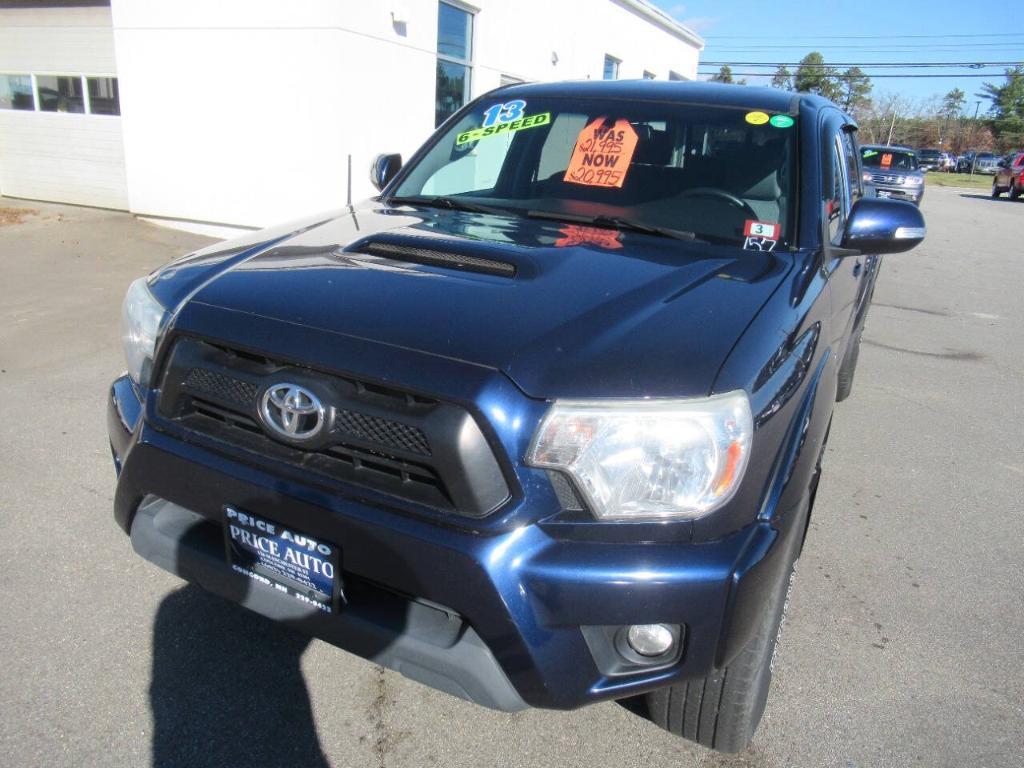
x=411 y=480
x=373 y=429
x=392 y=434
x=888 y=178
x=227 y=388
x=416 y=448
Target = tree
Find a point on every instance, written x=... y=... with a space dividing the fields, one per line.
x=855 y=87
x=724 y=75
x=952 y=107
x=953 y=103
x=1007 y=99
x=782 y=78
x=888 y=113
x=1007 y=108
x=813 y=76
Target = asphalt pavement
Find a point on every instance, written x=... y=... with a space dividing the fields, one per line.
x=903 y=645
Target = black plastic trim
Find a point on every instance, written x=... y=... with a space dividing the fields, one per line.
x=424 y=642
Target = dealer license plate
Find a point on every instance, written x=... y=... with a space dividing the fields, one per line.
x=291 y=562
x=883 y=193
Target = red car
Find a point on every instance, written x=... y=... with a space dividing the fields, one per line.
x=1008 y=177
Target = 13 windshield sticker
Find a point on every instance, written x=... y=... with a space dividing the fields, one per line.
x=503 y=118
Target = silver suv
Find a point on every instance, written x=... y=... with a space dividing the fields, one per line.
x=893 y=172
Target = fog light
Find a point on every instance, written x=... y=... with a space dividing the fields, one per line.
x=650 y=639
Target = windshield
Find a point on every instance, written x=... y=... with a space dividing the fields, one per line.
x=888 y=158
x=929 y=153
x=715 y=172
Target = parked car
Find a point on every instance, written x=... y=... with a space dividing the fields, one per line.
x=929 y=159
x=981 y=162
x=1008 y=176
x=964 y=161
x=986 y=162
x=540 y=425
x=893 y=172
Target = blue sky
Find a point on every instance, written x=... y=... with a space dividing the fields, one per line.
x=863 y=32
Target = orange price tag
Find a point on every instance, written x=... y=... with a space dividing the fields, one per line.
x=887 y=159
x=602 y=154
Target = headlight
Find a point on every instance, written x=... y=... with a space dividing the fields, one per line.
x=914 y=181
x=648 y=458
x=141 y=317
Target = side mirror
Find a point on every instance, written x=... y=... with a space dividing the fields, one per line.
x=883 y=226
x=383 y=169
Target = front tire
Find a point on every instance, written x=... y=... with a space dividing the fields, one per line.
x=848 y=369
x=722 y=711
x=1014 y=191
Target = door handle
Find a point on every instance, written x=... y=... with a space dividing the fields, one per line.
x=857 y=266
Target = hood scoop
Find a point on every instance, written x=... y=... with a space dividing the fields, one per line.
x=435 y=253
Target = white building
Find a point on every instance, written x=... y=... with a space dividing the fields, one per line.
x=244 y=112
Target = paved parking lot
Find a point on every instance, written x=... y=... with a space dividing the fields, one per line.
x=903 y=645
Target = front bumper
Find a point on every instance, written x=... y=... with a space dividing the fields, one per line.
x=505 y=620
x=910 y=194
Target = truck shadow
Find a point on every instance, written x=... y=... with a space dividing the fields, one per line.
x=227 y=688
x=987 y=196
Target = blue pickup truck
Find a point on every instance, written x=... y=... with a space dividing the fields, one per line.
x=541 y=425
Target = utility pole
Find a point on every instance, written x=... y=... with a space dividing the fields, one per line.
x=974 y=127
x=892 y=125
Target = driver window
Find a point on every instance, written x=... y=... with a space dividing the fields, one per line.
x=837 y=193
x=853 y=180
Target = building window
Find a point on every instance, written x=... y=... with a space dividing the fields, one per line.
x=454 y=60
x=648 y=75
x=611 y=68
x=16 y=92
x=675 y=76
x=60 y=93
x=104 y=98
x=75 y=94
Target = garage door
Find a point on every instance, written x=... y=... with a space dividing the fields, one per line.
x=60 y=113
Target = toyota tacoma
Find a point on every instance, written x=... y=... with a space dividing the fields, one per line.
x=540 y=425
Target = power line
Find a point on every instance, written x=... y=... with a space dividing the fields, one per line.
x=894 y=48
x=866 y=74
x=912 y=64
x=866 y=37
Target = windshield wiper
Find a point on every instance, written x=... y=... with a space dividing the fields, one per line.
x=614 y=221
x=451 y=203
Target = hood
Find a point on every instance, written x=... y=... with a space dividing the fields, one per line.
x=563 y=310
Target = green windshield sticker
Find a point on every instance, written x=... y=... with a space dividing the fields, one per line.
x=781 y=121
x=475 y=134
x=870 y=152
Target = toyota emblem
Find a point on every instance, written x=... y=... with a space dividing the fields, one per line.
x=292 y=412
